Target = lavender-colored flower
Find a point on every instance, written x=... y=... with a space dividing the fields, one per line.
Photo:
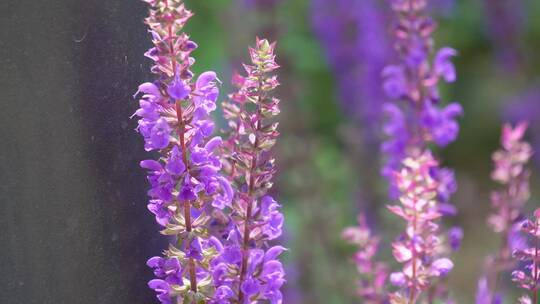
x=352 y=34
x=415 y=118
x=373 y=274
x=507 y=204
x=524 y=107
x=247 y=271
x=510 y=171
x=529 y=277
x=419 y=247
x=505 y=21
x=455 y=236
x=185 y=184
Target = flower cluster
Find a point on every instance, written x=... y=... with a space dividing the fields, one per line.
x=529 y=278
x=505 y=21
x=352 y=33
x=415 y=120
x=510 y=171
x=507 y=204
x=185 y=181
x=420 y=119
x=247 y=271
x=372 y=283
x=523 y=107
x=419 y=248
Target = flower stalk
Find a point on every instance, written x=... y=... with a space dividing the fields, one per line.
x=186 y=186
x=373 y=273
x=415 y=121
x=529 y=277
x=511 y=172
x=247 y=271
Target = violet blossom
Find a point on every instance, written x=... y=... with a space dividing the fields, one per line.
x=505 y=20
x=507 y=203
x=373 y=274
x=247 y=269
x=523 y=107
x=185 y=181
x=352 y=34
x=529 y=277
x=416 y=119
x=419 y=247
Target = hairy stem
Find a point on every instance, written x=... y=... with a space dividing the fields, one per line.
x=181 y=135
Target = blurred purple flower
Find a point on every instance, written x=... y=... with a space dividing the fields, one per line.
x=373 y=273
x=504 y=22
x=529 y=277
x=455 y=235
x=352 y=34
x=442 y=122
x=507 y=204
x=525 y=107
x=415 y=118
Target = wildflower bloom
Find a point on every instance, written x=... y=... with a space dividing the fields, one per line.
x=511 y=172
x=373 y=274
x=507 y=203
x=418 y=119
x=247 y=271
x=529 y=278
x=185 y=184
x=523 y=107
x=352 y=34
x=419 y=247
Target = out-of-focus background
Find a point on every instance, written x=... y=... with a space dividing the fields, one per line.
x=73 y=220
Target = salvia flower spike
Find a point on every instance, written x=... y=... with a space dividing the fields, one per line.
x=529 y=278
x=415 y=121
x=507 y=203
x=419 y=247
x=415 y=118
x=185 y=181
x=247 y=270
x=373 y=273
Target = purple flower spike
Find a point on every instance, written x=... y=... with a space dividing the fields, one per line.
x=246 y=265
x=418 y=247
x=416 y=120
x=529 y=277
x=353 y=35
x=507 y=204
x=185 y=182
x=373 y=274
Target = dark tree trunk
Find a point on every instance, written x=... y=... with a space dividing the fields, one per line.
x=73 y=219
